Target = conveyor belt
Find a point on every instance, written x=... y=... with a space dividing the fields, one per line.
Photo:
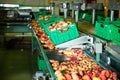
x=114 y=50
x=46 y=57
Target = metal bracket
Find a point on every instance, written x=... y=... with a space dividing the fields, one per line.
x=41 y=75
x=98 y=47
x=76 y=43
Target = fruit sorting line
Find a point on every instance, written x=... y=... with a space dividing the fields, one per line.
x=41 y=41
x=60 y=70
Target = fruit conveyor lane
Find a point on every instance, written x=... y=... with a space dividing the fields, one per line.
x=40 y=46
x=42 y=51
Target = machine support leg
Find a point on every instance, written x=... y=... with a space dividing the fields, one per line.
x=112 y=15
x=93 y=16
x=73 y=13
x=52 y=9
x=98 y=48
x=98 y=57
x=65 y=14
x=76 y=16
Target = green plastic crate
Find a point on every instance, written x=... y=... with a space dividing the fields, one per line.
x=43 y=13
x=43 y=22
x=88 y=18
x=41 y=63
x=80 y=15
x=51 y=17
x=85 y=17
x=104 y=30
x=99 y=18
x=116 y=35
x=37 y=14
x=58 y=37
x=104 y=20
x=116 y=22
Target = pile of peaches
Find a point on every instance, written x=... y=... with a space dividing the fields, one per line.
x=80 y=67
x=42 y=36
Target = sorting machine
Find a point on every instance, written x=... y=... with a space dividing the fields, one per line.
x=99 y=50
x=104 y=53
x=13 y=20
x=88 y=44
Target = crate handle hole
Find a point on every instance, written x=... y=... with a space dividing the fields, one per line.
x=40 y=57
x=102 y=25
x=118 y=31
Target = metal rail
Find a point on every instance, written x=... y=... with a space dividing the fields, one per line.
x=45 y=57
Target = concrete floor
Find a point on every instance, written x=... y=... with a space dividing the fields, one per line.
x=84 y=26
x=16 y=63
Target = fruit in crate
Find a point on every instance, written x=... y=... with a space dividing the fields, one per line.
x=44 y=18
x=43 y=38
x=59 y=25
x=80 y=67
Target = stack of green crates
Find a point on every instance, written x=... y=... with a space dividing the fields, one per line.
x=116 y=22
x=99 y=18
x=53 y=19
x=37 y=14
x=57 y=36
x=104 y=30
x=43 y=22
x=108 y=30
x=86 y=17
x=116 y=31
x=116 y=34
